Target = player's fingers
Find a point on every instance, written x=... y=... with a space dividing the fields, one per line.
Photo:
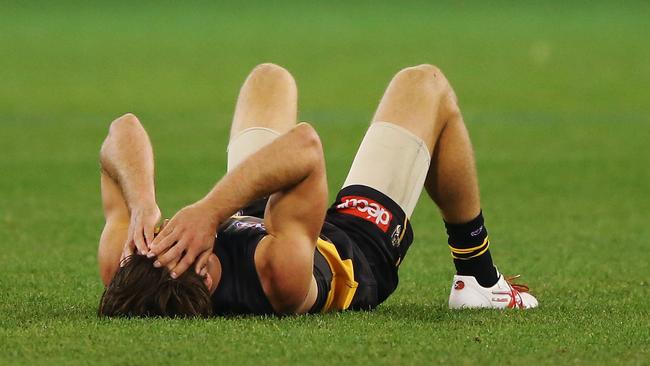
x=173 y=263
x=128 y=248
x=127 y=251
x=172 y=255
x=129 y=236
x=123 y=256
x=138 y=238
x=163 y=244
x=128 y=244
x=183 y=264
x=165 y=230
x=149 y=229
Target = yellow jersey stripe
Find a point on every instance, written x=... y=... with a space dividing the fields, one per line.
x=343 y=286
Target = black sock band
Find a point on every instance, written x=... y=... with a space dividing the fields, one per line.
x=469 y=244
x=467 y=234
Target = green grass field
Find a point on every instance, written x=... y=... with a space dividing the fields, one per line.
x=555 y=97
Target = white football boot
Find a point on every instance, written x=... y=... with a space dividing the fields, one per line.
x=466 y=293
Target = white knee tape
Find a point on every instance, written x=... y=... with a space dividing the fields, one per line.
x=247 y=142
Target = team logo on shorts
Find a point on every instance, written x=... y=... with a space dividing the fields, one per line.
x=367 y=209
x=396 y=236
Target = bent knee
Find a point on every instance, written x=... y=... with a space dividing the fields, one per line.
x=124 y=120
x=421 y=71
x=271 y=72
x=421 y=75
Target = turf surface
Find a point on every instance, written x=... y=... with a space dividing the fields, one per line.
x=555 y=96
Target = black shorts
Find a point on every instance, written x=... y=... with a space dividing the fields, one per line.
x=373 y=231
x=378 y=227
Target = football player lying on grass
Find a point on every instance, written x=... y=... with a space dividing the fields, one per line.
x=263 y=240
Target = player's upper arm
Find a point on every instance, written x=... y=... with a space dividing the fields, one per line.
x=300 y=209
x=294 y=218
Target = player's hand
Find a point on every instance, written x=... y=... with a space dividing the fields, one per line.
x=141 y=229
x=189 y=234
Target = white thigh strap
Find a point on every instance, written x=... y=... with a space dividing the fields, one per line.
x=247 y=142
x=393 y=161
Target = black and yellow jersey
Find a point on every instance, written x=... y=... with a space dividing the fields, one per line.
x=362 y=242
x=239 y=290
x=338 y=270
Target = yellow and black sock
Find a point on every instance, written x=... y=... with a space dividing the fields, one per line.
x=470 y=248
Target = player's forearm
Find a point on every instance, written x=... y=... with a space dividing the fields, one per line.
x=127 y=157
x=286 y=162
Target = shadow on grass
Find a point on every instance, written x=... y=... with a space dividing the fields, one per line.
x=39 y=311
x=422 y=313
x=419 y=312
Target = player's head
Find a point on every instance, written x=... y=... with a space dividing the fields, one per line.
x=139 y=289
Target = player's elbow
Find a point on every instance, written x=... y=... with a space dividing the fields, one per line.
x=309 y=143
x=118 y=128
x=307 y=133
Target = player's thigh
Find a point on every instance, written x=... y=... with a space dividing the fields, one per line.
x=413 y=99
x=395 y=153
x=247 y=142
x=266 y=108
x=267 y=99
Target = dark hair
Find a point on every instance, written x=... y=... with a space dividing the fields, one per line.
x=138 y=289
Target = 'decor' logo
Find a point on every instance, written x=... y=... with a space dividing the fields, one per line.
x=366 y=209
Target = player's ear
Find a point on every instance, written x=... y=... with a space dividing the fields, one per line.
x=207 y=281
